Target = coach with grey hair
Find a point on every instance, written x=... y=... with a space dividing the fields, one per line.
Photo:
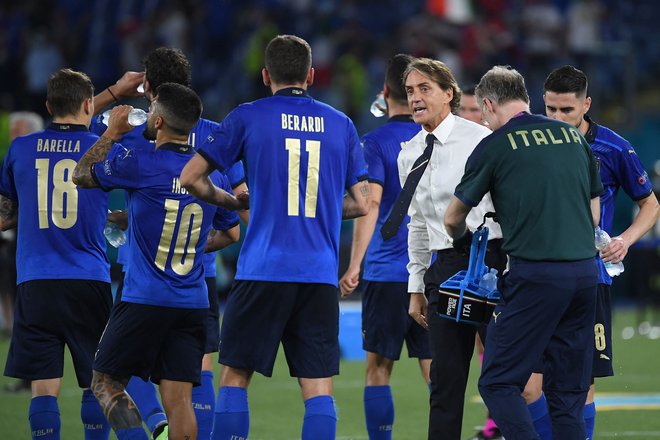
x=543 y=179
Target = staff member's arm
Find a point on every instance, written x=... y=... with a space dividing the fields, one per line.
x=455 y=216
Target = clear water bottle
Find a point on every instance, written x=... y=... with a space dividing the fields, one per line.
x=136 y=117
x=114 y=234
x=489 y=280
x=378 y=106
x=602 y=239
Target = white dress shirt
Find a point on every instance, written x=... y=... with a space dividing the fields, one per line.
x=455 y=139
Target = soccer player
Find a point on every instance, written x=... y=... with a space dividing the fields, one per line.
x=385 y=320
x=545 y=186
x=160 y=66
x=158 y=330
x=63 y=274
x=566 y=99
x=302 y=155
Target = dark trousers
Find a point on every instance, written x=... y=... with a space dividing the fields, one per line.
x=452 y=345
x=546 y=312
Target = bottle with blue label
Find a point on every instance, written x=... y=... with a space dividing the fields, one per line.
x=602 y=239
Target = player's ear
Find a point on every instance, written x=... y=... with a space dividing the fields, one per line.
x=587 y=104
x=50 y=111
x=310 y=77
x=386 y=91
x=265 y=76
x=88 y=106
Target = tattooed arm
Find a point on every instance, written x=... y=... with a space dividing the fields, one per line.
x=117 y=126
x=356 y=201
x=8 y=213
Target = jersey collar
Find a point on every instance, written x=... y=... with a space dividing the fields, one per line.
x=67 y=127
x=590 y=135
x=292 y=91
x=401 y=118
x=178 y=148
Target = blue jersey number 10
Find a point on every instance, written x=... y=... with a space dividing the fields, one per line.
x=313 y=149
x=184 y=248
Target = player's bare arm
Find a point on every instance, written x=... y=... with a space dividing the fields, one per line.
x=8 y=213
x=117 y=406
x=195 y=179
x=221 y=239
x=126 y=86
x=117 y=126
x=356 y=201
x=119 y=217
x=646 y=218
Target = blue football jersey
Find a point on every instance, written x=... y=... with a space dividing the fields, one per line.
x=136 y=141
x=60 y=228
x=387 y=260
x=619 y=167
x=301 y=155
x=168 y=226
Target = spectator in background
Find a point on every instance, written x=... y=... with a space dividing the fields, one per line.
x=469 y=108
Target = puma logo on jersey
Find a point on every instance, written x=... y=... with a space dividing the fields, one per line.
x=604 y=356
x=495 y=315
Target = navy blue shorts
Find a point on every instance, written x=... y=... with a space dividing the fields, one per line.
x=213 y=319
x=603 y=334
x=304 y=317
x=386 y=322
x=153 y=342
x=50 y=314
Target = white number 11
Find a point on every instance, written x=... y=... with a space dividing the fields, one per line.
x=313 y=149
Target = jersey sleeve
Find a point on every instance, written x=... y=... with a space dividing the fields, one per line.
x=357 y=168
x=223 y=219
x=97 y=126
x=119 y=170
x=7 y=186
x=631 y=174
x=478 y=177
x=224 y=145
x=236 y=174
x=374 y=159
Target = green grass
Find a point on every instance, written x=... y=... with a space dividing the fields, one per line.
x=277 y=410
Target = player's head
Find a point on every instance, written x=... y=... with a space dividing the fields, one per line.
x=288 y=61
x=165 y=65
x=432 y=91
x=394 y=88
x=24 y=123
x=70 y=94
x=469 y=107
x=500 y=85
x=565 y=95
x=175 y=109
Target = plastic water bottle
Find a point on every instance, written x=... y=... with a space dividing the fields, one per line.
x=136 y=117
x=378 y=105
x=602 y=239
x=114 y=234
x=489 y=280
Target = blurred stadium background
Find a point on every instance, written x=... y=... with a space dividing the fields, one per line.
x=616 y=42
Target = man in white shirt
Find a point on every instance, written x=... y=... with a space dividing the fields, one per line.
x=432 y=95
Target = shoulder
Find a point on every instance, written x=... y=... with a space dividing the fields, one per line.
x=609 y=142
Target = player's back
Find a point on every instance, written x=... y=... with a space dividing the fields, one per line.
x=60 y=229
x=301 y=155
x=386 y=260
x=168 y=226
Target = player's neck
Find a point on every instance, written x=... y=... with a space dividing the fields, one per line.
x=72 y=120
x=394 y=108
x=168 y=138
x=274 y=88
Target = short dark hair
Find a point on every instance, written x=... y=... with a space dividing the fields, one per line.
x=567 y=79
x=288 y=59
x=67 y=90
x=439 y=73
x=502 y=84
x=164 y=65
x=179 y=106
x=394 y=76
x=469 y=90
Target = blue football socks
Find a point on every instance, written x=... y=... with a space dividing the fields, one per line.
x=45 y=418
x=589 y=414
x=232 y=415
x=203 y=399
x=379 y=412
x=145 y=397
x=541 y=418
x=91 y=414
x=320 y=421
